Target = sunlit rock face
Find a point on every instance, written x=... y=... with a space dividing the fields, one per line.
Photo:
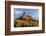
x=24 y=20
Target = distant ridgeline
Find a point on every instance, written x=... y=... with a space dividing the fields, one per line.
x=25 y=21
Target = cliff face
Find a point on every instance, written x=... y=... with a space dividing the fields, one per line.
x=25 y=17
x=25 y=20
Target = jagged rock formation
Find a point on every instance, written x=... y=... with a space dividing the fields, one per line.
x=25 y=21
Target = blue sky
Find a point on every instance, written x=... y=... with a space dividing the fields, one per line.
x=32 y=12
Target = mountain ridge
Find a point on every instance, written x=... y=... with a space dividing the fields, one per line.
x=26 y=19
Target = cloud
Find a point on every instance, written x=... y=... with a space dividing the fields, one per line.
x=18 y=13
x=36 y=16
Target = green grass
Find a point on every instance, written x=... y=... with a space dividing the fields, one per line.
x=31 y=23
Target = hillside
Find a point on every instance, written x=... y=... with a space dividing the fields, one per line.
x=25 y=21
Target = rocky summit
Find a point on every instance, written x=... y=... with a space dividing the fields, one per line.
x=25 y=21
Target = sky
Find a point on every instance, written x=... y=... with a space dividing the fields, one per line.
x=31 y=12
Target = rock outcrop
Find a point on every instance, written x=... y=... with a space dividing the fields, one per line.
x=25 y=21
